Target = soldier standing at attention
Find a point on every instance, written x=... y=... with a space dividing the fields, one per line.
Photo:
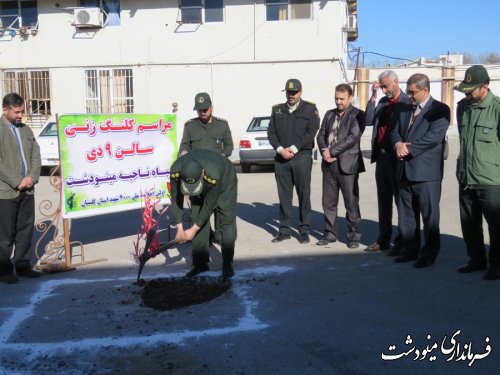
x=206 y=131
x=291 y=132
x=478 y=171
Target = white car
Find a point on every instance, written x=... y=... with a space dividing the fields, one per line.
x=49 y=148
x=254 y=145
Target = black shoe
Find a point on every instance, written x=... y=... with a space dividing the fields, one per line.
x=325 y=241
x=395 y=252
x=423 y=262
x=280 y=237
x=493 y=273
x=405 y=258
x=9 y=278
x=227 y=270
x=28 y=272
x=352 y=244
x=472 y=267
x=196 y=269
x=304 y=238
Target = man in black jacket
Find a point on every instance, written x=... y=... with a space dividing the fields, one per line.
x=339 y=141
x=380 y=116
x=291 y=133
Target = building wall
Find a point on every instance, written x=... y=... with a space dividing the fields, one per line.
x=242 y=62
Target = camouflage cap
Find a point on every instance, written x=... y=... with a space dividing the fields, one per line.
x=191 y=181
x=202 y=101
x=475 y=76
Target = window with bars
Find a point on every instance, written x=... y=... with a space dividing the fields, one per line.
x=33 y=86
x=18 y=13
x=109 y=91
x=281 y=10
x=192 y=11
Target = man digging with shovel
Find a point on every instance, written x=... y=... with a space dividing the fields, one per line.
x=208 y=182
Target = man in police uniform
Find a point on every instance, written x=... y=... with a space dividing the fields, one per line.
x=478 y=171
x=291 y=132
x=206 y=131
x=209 y=180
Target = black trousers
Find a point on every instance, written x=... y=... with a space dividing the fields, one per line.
x=289 y=174
x=16 y=231
x=417 y=199
x=385 y=171
x=474 y=204
x=334 y=180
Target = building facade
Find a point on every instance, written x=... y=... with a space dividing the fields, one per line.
x=116 y=56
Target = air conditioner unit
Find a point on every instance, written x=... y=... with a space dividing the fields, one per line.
x=88 y=17
x=352 y=22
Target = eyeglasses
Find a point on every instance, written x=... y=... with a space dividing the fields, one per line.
x=413 y=93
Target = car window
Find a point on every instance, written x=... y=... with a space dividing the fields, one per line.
x=259 y=124
x=49 y=130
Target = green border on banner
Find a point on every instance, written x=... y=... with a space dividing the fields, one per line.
x=110 y=162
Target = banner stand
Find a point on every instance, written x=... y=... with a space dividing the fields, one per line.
x=57 y=253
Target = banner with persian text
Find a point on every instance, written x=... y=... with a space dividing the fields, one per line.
x=110 y=162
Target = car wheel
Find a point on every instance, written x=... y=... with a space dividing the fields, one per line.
x=245 y=167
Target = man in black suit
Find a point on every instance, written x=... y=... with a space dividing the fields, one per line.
x=380 y=116
x=339 y=141
x=418 y=139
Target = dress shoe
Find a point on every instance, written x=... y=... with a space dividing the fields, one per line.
x=196 y=269
x=352 y=244
x=325 y=241
x=405 y=258
x=423 y=262
x=9 y=278
x=395 y=252
x=493 y=273
x=304 y=238
x=376 y=247
x=472 y=267
x=281 y=237
x=28 y=272
x=227 y=270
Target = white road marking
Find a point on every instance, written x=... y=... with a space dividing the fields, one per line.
x=247 y=322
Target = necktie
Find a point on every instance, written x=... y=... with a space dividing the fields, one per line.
x=17 y=136
x=414 y=114
x=332 y=137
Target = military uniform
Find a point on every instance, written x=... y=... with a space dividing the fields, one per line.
x=217 y=191
x=215 y=136
x=478 y=172
x=295 y=129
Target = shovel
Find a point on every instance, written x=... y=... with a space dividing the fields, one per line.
x=146 y=255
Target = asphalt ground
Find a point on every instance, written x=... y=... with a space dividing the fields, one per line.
x=292 y=308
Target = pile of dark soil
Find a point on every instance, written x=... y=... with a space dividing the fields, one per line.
x=172 y=293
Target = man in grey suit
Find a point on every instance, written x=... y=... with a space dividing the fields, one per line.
x=381 y=116
x=339 y=142
x=20 y=166
x=418 y=139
